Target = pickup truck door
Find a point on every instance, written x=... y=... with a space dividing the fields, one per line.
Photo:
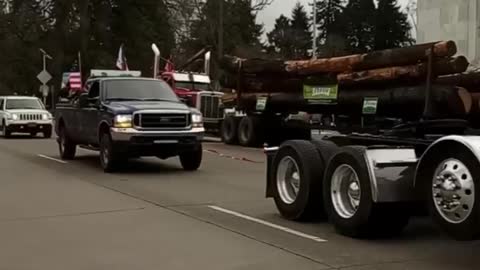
x=91 y=114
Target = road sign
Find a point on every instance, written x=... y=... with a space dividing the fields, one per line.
x=45 y=90
x=44 y=77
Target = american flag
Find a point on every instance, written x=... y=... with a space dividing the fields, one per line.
x=75 y=80
x=122 y=59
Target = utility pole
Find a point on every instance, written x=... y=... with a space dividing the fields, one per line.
x=314 y=49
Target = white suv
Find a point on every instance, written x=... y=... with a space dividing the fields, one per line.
x=24 y=115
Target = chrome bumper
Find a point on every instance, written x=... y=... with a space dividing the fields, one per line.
x=126 y=134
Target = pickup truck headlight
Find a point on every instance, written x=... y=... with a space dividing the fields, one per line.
x=122 y=121
x=197 y=120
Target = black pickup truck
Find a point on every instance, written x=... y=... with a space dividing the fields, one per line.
x=128 y=117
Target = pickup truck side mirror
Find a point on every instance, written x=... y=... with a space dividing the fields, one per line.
x=83 y=100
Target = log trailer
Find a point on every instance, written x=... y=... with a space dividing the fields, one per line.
x=407 y=140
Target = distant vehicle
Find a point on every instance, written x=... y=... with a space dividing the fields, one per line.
x=126 y=117
x=196 y=91
x=22 y=114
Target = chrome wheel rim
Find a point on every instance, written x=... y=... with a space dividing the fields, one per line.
x=345 y=191
x=288 y=180
x=453 y=191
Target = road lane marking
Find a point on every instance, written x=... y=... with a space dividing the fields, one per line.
x=268 y=224
x=53 y=159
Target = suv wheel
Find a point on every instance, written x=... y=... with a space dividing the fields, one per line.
x=192 y=160
x=6 y=133
x=47 y=134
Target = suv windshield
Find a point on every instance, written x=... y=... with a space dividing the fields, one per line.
x=140 y=90
x=23 y=104
x=191 y=85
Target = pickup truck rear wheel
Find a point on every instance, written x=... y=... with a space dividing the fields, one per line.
x=192 y=160
x=110 y=159
x=66 y=147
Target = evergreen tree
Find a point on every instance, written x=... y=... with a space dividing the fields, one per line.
x=302 y=37
x=360 y=29
x=392 y=28
x=331 y=27
x=281 y=38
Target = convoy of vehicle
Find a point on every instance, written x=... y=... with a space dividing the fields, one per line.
x=124 y=116
x=385 y=164
x=22 y=114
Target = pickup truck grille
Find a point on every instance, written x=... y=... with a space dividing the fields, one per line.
x=210 y=106
x=162 y=120
x=30 y=117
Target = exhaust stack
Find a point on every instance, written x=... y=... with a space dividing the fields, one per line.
x=207 y=63
x=156 y=60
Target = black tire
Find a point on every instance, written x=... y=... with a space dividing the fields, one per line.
x=250 y=131
x=33 y=134
x=469 y=229
x=228 y=130
x=47 y=134
x=66 y=147
x=110 y=159
x=6 y=133
x=192 y=160
x=308 y=203
x=370 y=220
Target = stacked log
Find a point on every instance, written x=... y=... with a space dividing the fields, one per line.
x=395 y=77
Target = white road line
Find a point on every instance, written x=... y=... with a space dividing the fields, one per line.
x=266 y=223
x=51 y=158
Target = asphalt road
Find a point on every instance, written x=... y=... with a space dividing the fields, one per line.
x=153 y=215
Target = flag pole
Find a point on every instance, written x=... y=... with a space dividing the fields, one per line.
x=80 y=62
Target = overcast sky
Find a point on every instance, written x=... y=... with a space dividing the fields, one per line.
x=285 y=7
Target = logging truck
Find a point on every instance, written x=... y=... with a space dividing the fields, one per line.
x=407 y=140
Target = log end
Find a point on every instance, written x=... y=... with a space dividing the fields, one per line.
x=445 y=48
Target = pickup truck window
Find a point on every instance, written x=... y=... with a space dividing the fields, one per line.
x=140 y=90
x=23 y=104
x=191 y=85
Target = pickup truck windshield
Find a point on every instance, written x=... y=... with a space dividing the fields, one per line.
x=191 y=85
x=140 y=90
x=23 y=104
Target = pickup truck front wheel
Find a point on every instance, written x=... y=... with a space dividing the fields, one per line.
x=110 y=159
x=66 y=147
x=192 y=160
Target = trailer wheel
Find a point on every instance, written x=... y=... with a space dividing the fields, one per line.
x=249 y=131
x=451 y=186
x=348 y=199
x=228 y=130
x=298 y=170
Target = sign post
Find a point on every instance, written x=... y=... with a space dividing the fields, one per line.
x=44 y=77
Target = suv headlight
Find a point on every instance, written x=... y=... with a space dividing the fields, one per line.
x=197 y=120
x=14 y=116
x=46 y=116
x=123 y=121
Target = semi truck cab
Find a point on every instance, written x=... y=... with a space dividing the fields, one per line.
x=196 y=91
